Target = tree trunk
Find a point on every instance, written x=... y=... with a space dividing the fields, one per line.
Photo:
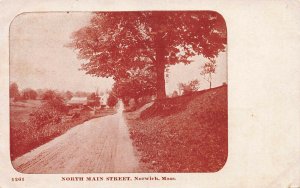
x=209 y=80
x=160 y=67
x=160 y=85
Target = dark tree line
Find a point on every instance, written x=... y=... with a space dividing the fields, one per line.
x=47 y=94
x=26 y=94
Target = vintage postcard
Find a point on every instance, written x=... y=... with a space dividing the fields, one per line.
x=143 y=91
x=171 y=95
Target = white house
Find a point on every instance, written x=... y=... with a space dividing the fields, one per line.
x=78 y=101
x=103 y=99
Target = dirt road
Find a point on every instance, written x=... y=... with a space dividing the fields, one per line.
x=98 y=145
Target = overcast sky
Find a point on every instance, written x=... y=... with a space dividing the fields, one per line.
x=38 y=58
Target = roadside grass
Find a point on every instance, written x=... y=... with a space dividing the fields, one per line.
x=183 y=134
x=24 y=136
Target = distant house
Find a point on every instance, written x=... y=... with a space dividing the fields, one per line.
x=103 y=100
x=78 y=102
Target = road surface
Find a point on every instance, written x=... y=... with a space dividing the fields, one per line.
x=98 y=145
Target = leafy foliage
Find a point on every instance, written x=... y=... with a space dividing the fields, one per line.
x=189 y=87
x=208 y=69
x=93 y=99
x=175 y=94
x=140 y=83
x=115 y=42
x=50 y=95
x=68 y=95
x=29 y=94
x=49 y=113
x=14 y=90
x=112 y=100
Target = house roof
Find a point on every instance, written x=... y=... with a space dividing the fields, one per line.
x=78 y=100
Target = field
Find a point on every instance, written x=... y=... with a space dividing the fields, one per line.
x=182 y=134
x=25 y=137
x=20 y=111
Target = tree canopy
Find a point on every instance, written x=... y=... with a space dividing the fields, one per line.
x=140 y=83
x=14 y=90
x=114 y=43
x=208 y=69
x=29 y=93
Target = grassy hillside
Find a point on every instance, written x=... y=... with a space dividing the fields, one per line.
x=183 y=134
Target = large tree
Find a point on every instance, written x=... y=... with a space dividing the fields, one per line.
x=115 y=42
x=29 y=93
x=140 y=83
x=14 y=90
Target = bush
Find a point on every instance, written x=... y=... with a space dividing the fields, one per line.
x=49 y=113
x=51 y=95
x=28 y=94
x=189 y=87
x=112 y=100
x=57 y=104
x=43 y=117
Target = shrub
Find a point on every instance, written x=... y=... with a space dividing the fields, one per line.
x=189 y=87
x=112 y=100
x=49 y=113
x=28 y=94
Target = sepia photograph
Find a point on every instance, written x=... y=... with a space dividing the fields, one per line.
x=134 y=93
x=113 y=92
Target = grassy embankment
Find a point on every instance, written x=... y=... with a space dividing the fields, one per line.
x=24 y=136
x=182 y=134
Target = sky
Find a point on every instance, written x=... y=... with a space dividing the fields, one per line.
x=40 y=60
